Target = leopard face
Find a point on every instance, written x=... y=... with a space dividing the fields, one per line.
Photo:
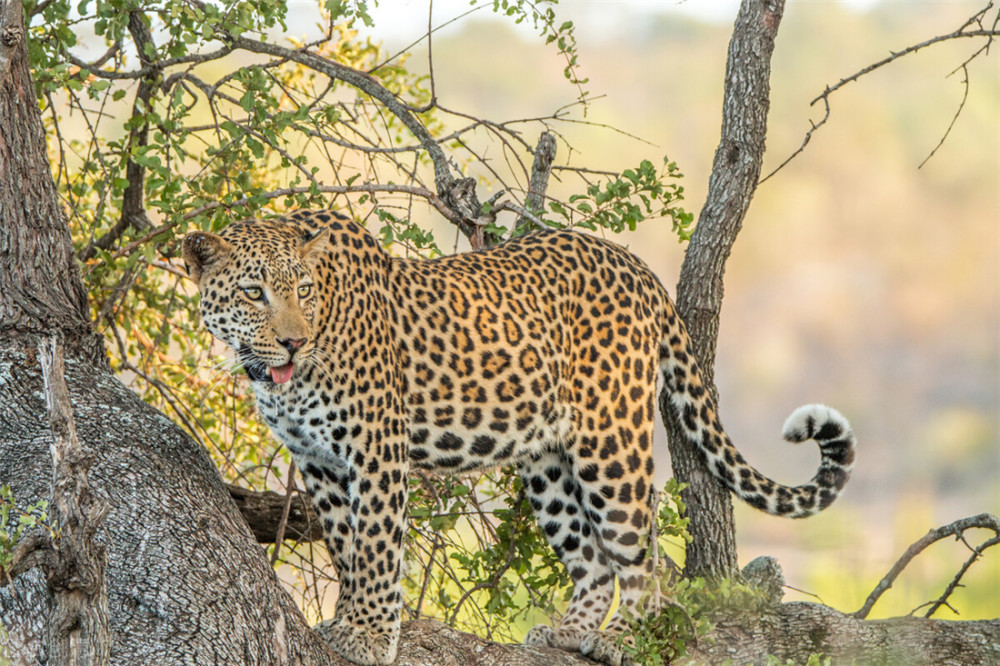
x=258 y=296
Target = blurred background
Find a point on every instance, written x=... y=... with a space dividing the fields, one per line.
x=860 y=279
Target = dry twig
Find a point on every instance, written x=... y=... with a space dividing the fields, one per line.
x=962 y=32
x=956 y=529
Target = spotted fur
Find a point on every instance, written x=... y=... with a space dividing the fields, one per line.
x=542 y=352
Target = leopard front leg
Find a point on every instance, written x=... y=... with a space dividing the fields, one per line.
x=327 y=482
x=366 y=627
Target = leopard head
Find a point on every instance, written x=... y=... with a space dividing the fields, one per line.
x=258 y=293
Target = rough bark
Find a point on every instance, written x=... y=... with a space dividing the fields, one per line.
x=793 y=631
x=40 y=287
x=541 y=169
x=736 y=168
x=78 y=625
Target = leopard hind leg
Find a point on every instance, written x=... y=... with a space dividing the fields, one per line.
x=556 y=498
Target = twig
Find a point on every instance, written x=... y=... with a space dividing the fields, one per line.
x=956 y=529
x=965 y=80
x=279 y=536
x=943 y=599
x=524 y=214
x=895 y=55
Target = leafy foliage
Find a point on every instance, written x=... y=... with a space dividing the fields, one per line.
x=14 y=522
x=657 y=638
x=676 y=612
x=637 y=195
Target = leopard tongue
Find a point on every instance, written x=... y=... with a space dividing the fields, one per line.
x=281 y=373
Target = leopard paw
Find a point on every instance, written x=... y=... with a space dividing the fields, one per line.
x=604 y=646
x=544 y=636
x=359 y=644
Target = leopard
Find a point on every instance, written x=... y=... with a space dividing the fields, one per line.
x=541 y=352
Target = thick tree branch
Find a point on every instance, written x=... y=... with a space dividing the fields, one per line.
x=712 y=549
x=263 y=511
x=541 y=168
x=795 y=631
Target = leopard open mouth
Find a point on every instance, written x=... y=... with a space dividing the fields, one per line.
x=259 y=371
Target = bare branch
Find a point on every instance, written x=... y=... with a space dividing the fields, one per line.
x=279 y=534
x=956 y=529
x=960 y=33
x=545 y=154
x=263 y=510
x=943 y=599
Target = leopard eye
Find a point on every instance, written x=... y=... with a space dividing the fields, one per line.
x=254 y=293
x=305 y=290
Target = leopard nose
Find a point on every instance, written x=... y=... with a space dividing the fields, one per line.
x=292 y=344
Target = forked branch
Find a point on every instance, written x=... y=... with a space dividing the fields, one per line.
x=972 y=27
x=956 y=529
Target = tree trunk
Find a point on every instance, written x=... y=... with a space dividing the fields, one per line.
x=712 y=549
x=40 y=287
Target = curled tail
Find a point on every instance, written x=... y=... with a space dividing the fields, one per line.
x=698 y=416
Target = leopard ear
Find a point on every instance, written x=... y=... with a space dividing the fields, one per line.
x=314 y=243
x=200 y=250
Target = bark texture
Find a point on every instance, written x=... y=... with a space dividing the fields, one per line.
x=40 y=287
x=186 y=580
x=793 y=631
x=78 y=626
x=735 y=171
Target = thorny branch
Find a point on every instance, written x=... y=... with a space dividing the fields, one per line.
x=975 y=22
x=956 y=529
